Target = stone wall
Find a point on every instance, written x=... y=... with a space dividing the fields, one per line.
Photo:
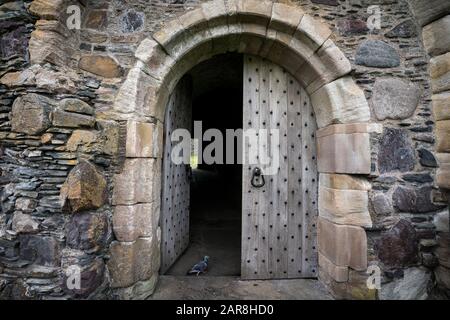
x=62 y=145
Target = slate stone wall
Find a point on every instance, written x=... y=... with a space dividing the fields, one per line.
x=58 y=154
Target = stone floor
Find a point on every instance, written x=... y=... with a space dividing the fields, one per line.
x=215 y=225
x=232 y=288
x=216 y=231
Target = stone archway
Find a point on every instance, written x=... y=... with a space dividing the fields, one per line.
x=291 y=39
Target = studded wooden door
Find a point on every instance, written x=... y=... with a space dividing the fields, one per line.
x=279 y=218
x=175 y=184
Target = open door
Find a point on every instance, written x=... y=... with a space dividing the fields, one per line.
x=175 y=179
x=279 y=208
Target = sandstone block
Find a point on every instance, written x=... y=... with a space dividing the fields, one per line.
x=144 y=140
x=337 y=273
x=443 y=173
x=440 y=73
x=344 y=205
x=343 y=152
x=436 y=38
x=136 y=182
x=344 y=246
x=441 y=106
x=428 y=11
x=443 y=136
x=131 y=262
x=340 y=101
x=136 y=221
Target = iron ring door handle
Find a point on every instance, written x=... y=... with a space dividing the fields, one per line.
x=257 y=175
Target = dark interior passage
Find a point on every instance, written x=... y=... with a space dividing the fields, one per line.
x=216 y=196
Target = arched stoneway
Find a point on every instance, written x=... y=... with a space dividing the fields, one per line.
x=289 y=38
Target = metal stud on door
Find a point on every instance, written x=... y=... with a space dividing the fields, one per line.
x=280 y=207
x=176 y=179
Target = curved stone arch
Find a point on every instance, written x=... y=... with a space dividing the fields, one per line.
x=302 y=45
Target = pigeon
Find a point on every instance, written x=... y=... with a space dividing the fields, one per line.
x=200 y=267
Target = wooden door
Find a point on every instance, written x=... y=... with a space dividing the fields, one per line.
x=176 y=181
x=279 y=219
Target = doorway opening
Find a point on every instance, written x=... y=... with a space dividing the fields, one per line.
x=215 y=190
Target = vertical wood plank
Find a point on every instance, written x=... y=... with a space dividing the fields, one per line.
x=176 y=184
x=295 y=212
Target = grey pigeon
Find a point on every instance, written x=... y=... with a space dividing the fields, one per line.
x=200 y=267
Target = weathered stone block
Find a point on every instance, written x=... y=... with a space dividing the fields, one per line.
x=395 y=151
x=427 y=159
x=399 y=246
x=96 y=19
x=382 y=204
x=77 y=106
x=136 y=182
x=394 y=98
x=339 y=274
x=352 y=26
x=31 y=114
x=285 y=19
x=131 y=262
x=412 y=286
x=47 y=9
x=436 y=38
x=414 y=200
x=428 y=11
x=344 y=149
x=344 y=246
x=344 y=201
x=440 y=73
x=102 y=66
x=72 y=120
x=92 y=272
x=443 y=136
x=326 y=65
x=87 y=231
x=84 y=189
x=154 y=57
x=443 y=173
x=132 y=21
x=141 y=290
x=340 y=101
x=144 y=140
x=40 y=250
x=405 y=29
x=377 y=54
x=24 y=223
x=441 y=106
x=136 y=221
x=81 y=139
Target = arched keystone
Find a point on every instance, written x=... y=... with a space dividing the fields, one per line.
x=344 y=246
x=326 y=65
x=441 y=106
x=340 y=101
x=440 y=73
x=443 y=136
x=153 y=55
x=344 y=199
x=285 y=19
